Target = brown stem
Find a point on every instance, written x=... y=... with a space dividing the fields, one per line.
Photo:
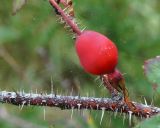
x=76 y=102
x=106 y=83
x=73 y=26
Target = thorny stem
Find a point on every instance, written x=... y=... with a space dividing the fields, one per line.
x=113 y=87
x=70 y=22
x=76 y=102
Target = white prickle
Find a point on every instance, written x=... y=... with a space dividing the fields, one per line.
x=121 y=111
x=145 y=101
x=102 y=115
x=130 y=117
x=124 y=118
x=87 y=94
x=23 y=92
x=44 y=113
x=22 y=105
x=31 y=93
x=65 y=8
x=29 y=103
x=19 y=106
x=61 y=20
x=97 y=106
x=72 y=110
x=115 y=113
x=97 y=78
x=71 y=92
x=52 y=85
x=36 y=91
x=101 y=84
x=83 y=29
x=79 y=106
x=152 y=101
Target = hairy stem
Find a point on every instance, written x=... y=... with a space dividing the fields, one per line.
x=76 y=102
x=66 y=18
x=108 y=86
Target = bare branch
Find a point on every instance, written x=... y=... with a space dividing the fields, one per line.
x=76 y=102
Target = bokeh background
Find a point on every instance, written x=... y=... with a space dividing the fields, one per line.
x=34 y=47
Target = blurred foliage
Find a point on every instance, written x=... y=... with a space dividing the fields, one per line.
x=34 y=47
x=153 y=122
x=152 y=70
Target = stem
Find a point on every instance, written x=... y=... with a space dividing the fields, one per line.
x=108 y=86
x=73 y=26
x=76 y=102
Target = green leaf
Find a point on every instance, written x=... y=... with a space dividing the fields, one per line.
x=152 y=70
x=17 y=5
x=153 y=122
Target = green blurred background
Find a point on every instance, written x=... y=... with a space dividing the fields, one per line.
x=34 y=47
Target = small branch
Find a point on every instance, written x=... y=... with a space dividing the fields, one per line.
x=108 y=86
x=65 y=17
x=76 y=102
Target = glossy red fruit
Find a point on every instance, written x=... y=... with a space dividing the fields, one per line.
x=97 y=54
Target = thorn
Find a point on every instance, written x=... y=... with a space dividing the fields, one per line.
x=124 y=118
x=19 y=106
x=23 y=92
x=36 y=91
x=20 y=92
x=29 y=103
x=79 y=96
x=152 y=101
x=31 y=93
x=101 y=84
x=71 y=92
x=52 y=85
x=22 y=105
x=130 y=117
x=79 y=106
x=115 y=113
x=102 y=115
x=86 y=107
x=87 y=94
x=66 y=26
x=56 y=93
x=97 y=106
x=73 y=37
x=97 y=78
x=65 y=8
x=145 y=101
x=83 y=29
x=44 y=113
x=121 y=111
x=62 y=21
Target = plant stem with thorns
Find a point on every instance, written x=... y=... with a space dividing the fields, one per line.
x=66 y=18
x=114 y=82
x=76 y=102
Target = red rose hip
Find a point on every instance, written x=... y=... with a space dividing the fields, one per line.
x=97 y=54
